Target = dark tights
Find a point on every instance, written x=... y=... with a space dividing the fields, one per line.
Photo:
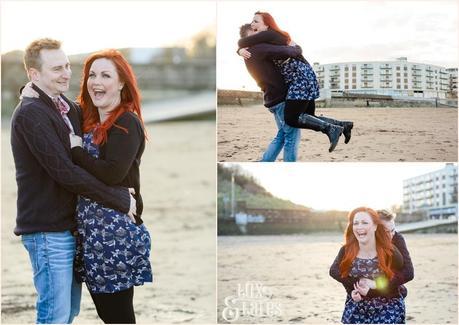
x=115 y=308
x=293 y=109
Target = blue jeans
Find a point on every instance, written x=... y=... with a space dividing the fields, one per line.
x=59 y=295
x=286 y=137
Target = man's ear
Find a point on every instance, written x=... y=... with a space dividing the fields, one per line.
x=34 y=74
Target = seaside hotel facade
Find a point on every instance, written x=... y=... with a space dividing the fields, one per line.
x=435 y=193
x=398 y=78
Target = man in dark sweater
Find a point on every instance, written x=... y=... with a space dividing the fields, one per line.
x=261 y=67
x=48 y=182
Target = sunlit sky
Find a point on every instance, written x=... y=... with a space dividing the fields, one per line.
x=340 y=186
x=344 y=31
x=86 y=26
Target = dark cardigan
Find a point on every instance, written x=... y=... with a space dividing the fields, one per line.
x=402 y=266
x=119 y=157
x=47 y=179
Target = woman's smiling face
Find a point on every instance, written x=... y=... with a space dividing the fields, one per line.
x=104 y=85
x=258 y=24
x=363 y=227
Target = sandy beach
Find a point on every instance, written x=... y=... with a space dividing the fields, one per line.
x=295 y=269
x=178 y=189
x=379 y=134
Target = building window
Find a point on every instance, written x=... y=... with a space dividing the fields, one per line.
x=346 y=74
x=353 y=86
x=346 y=68
x=398 y=74
x=406 y=87
x=406 y=80
x=405 y=74
x=346 y=87
x=354 y=74
x=405 y=68
x=354 y=80
x=398 y=68
x=398 y=80
x=398 y=86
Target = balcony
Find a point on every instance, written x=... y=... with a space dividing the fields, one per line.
x=335 y=68
x=429 y=70
x=416 y=68
x=385 y=67
x=366 y=67
x=386 y=73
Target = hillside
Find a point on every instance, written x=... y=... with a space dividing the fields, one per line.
x=247 y=189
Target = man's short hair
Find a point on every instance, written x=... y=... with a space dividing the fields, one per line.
x=386 y=215
x=244 y=29
x=32 y=57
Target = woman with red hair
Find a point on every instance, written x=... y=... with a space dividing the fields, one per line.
x=368 y=254
x=300 y=78
x=113 y=249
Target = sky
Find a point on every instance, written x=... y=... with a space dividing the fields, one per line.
x=340 y=186
x=86 y=26
x=344 y=31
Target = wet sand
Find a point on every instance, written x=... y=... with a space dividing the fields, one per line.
x=379 y=134
x=178 y=189
x=295 y=269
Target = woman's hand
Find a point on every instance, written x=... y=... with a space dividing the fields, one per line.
x=361 y=288
x=28 y=91
x=75 y=140
x=133 y=205
x=356 y=296
x=244 y=53
x=368 y=283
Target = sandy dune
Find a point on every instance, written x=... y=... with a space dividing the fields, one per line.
x=380 y=134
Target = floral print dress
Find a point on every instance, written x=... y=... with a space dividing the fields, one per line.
x=112 y=251
x=378 y=310
x=300 y=79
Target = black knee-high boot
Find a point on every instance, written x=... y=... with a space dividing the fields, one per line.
x=347 y=125
x=306 y=121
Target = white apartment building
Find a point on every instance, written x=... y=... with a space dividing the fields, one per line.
x=398 y=78
x=435 y=193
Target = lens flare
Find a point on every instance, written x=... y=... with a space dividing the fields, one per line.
x=382 y=283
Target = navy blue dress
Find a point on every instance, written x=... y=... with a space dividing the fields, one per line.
x=300 y=79
x=112 y=251
x=377 y=310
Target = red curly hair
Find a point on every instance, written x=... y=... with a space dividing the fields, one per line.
x=130 y=96
x=351 y=247
x=269 y=21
